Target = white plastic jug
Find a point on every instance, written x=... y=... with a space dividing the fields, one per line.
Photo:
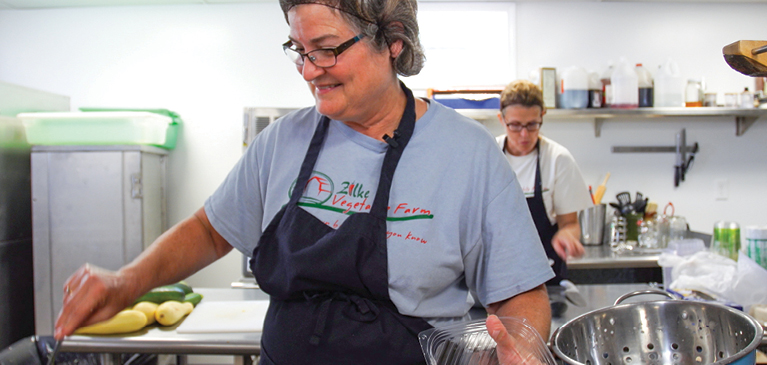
x=574 y=88
x=669 y=86
x=625 y=85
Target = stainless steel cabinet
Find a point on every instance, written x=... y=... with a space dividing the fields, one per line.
x=97 y=204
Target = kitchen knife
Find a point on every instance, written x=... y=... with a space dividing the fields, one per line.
x=572 y=294
x=55 y=352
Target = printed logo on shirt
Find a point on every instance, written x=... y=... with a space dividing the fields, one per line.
x=530 y=192
x=351 y=197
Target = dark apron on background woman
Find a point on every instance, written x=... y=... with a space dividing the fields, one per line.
x=546 y=230
x=329 y=289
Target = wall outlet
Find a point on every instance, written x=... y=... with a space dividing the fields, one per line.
x=722 y=189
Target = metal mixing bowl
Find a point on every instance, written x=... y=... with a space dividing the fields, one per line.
x=659 y=332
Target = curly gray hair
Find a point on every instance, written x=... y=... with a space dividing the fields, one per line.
x=383 y=21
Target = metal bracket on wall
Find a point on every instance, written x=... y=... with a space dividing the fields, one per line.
x=683 y=163
x=598 y=126
x=742 y=123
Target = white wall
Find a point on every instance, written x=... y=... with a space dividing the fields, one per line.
x=589 y=34
x=207 y=62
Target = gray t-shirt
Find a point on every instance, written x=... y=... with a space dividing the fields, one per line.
x=457 y=218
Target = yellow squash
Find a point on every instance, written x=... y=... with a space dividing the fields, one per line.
x=170 y=312
x=148 y=308
x=126 y=321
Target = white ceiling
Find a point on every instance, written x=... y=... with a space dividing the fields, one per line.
x=48 y=4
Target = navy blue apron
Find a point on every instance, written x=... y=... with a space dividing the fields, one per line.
x=329 y=289
x=546 y=230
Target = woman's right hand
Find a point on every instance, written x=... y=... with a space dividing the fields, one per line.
x=92 y=295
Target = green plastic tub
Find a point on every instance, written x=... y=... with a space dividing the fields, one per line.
x=100 y=128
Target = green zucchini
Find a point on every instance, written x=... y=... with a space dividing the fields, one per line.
x=193 y=298
x=184 y=286
x=162 y=294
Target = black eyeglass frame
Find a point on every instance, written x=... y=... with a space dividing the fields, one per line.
x=518 y=127
x=286 y=47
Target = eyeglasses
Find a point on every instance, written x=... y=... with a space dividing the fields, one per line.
x=531 y=127
x=322 y=57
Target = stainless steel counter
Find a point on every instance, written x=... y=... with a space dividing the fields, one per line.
x=156 y=339
x=165 y=340
x=599 y=296
x=602 y=257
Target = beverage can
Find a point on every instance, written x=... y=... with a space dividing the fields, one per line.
x=726 y=239
x=756 y=244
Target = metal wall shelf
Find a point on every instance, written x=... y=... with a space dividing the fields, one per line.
x=744 y=118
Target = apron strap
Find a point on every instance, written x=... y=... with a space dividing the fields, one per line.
x=310 y=159
x=393 y=153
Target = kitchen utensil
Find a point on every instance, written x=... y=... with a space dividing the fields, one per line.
x=638 y=200
x=592 y=222
x=747 y=57
x=640 y=206
x=469 y=343
x=624 y=199
x=601 y=190
x=572 y=294
x=659 y=332
x=616 y=206
x=55 y=352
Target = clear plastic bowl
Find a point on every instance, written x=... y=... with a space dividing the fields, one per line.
x=469 y=342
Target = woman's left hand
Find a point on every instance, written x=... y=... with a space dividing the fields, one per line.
x=506 y=349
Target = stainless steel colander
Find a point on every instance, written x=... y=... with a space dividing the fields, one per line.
x=659 y=332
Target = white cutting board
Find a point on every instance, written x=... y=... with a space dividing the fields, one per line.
x=221 y=317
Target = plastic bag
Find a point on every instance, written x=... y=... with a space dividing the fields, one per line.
x=749 y=288
x=740 y=282
x=704 y=271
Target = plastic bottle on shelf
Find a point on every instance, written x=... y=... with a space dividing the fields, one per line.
x=645 y=82
x=693 y=95
x=574 y=88
x=746 y=99
x=607 y=91
x=595 y=90
x=668 y=89
x=625 y=86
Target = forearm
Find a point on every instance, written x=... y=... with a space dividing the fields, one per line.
x=532 y=305
x=570 y=230
x=181 y=251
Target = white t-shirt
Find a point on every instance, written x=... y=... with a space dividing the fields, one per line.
x=457 y=220
x=564 y=190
